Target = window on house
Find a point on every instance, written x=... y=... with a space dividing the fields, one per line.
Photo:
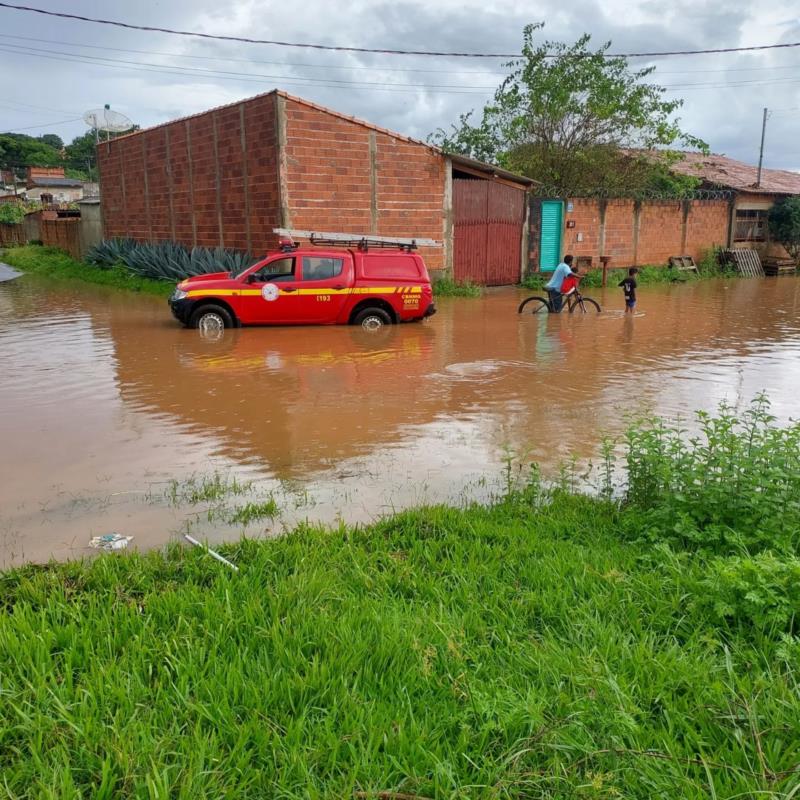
x=751 y=225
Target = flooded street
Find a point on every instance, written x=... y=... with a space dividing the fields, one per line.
x=108 y=407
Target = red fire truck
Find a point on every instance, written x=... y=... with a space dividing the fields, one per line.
x=336 y=280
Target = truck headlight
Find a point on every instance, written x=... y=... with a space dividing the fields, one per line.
x=179 y=294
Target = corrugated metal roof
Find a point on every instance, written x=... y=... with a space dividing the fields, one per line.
x=720 y=170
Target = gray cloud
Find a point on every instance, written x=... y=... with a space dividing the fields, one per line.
x=728 y=117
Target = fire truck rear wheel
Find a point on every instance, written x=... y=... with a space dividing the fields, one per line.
x=211 y=318
x=372 y=319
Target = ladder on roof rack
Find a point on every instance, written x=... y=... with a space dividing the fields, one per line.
x=361 y=241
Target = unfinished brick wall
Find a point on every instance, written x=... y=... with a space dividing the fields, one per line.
x=410 y=193
x=660 y=232
x=638 y=233
x=343 y=176
x=586 y=216
x=208 y=180
x=706 y=227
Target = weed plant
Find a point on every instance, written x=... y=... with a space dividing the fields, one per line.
x=552 y=645
x=447 y=287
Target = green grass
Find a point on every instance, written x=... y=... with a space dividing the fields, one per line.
x=552 y=645
x=648 y=275
x=55 y=264
x=253 y=512
x=447 y=287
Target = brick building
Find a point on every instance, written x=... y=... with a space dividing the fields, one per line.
x=633 y=233
x=51 y=185
x=231 y=175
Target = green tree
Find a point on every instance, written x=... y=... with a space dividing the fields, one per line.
x=18 y=151
x=80 y=154
x=574 y=118
x=784 y=224
x=53 y=140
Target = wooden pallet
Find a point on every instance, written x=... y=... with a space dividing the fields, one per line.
x=779 y=266
x=683 y=263
x=747 y=262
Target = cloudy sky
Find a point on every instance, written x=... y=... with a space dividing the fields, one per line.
x=56 y=69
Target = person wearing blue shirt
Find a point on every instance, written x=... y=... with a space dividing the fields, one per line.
x=553 y=286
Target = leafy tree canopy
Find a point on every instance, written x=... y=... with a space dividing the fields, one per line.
x=784 y=224
x=18 y=150
x=574 y=118
x=53 y=140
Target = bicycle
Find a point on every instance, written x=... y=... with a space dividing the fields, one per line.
x=537 y=304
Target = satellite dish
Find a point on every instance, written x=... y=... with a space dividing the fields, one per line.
x=104 y=119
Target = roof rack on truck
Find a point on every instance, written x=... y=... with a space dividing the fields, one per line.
x=360 y=241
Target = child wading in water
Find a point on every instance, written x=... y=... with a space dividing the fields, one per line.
x=629 y=288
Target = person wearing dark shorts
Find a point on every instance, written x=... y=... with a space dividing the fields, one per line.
x=629 y=289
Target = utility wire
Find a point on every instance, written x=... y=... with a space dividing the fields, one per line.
x=341 y=48
x=38 y=108
x=302 y=65
x=330 y=83
x=45 y=125
x=241 y=77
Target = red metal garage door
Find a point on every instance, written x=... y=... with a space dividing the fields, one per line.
x=487 y=231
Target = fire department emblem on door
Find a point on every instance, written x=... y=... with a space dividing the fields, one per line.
x=270 y=292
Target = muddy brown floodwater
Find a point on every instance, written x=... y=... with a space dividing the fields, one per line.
x=109 y=410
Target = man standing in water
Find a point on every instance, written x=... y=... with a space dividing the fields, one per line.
x=553 y=286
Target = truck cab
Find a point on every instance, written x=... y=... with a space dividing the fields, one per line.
x=323 y=284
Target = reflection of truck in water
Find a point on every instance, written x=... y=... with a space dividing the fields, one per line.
x=292 y=399
x=312 y=286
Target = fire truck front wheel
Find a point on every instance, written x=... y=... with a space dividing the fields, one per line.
x=210 y=318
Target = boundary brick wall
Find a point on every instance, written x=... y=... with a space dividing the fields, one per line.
x=208 y=180
x=637 y=233
x=343 y=176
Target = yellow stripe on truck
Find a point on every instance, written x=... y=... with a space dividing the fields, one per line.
x=306 y=292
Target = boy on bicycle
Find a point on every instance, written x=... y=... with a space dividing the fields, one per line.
x=570 y=284
x=553 y=286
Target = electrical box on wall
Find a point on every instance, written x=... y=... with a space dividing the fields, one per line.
x=570 y=223
x=580 y=237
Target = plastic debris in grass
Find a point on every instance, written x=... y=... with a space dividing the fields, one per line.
x=110 y=541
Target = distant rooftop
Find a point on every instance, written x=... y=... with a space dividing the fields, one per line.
x=726 y=172
x=55 y=182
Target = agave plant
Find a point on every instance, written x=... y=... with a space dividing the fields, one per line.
x=167 y=260
x=110 y=252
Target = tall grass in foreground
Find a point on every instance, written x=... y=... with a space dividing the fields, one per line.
x=550 y=646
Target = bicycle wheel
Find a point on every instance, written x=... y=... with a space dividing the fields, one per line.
x=585 y=304
x=534 y=305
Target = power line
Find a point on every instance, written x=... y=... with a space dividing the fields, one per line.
x=45 y=125
x=341 y=48
x=381 y=68
x=38 y=108
x=330 y=83
x=138 y=66
x=203 y=71
x=249 y=60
